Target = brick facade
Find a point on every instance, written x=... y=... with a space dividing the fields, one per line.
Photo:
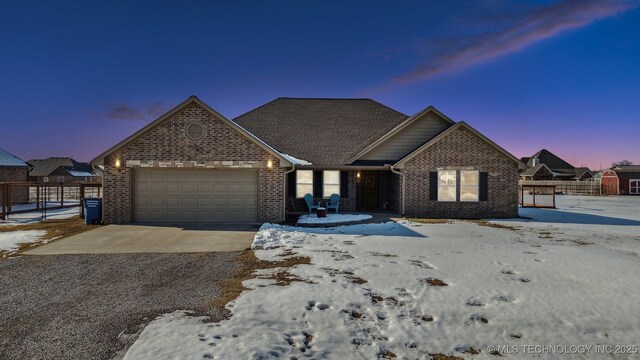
x=168 y=145
x=462 y=149
x=19 y=194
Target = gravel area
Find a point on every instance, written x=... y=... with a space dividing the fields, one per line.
x=94 y=306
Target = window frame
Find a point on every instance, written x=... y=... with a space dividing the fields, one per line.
x=301 y=194
x=454 y=186
x=324 y=184
x=476 y=185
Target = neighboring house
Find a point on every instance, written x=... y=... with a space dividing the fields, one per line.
x=60 y=170
x=621 y=180
x=194 y=165
x=14 y=169
x=583 y=174
x=544 y=165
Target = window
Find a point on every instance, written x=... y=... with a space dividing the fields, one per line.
x=447 y=185
x=331 y=183
x=60 y=179
x=469 y=185
x=45 y=179
x=304 y=183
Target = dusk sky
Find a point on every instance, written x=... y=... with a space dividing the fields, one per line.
x=78 y=77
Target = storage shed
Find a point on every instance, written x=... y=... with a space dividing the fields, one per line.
x=621 y=180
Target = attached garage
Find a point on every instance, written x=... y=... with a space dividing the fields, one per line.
x=195 y=196
x=192 y=165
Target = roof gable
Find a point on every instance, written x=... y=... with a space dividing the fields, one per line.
x=321 y=131
x=552 y=161
x=443 y=134
x=45 y=167
x=9 y=160
x=193 y=99
x=407 y=136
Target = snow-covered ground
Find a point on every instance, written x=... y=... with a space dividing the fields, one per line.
x=564 y=277
x=11 y=241
x=332 y=218
x=36 y=215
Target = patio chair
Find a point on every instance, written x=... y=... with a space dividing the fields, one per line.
x=334 y=202
x=308 y=198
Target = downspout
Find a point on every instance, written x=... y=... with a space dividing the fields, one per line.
x=402 y=206
x=284 y=209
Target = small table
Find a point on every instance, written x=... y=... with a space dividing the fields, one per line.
x=321 y=212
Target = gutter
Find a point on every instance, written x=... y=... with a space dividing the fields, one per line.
x=284 y=191
x=402 y=206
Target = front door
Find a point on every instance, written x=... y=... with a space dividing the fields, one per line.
x=634 y=187
x=370 y=190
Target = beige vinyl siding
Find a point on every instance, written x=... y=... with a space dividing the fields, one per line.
x=409 y=138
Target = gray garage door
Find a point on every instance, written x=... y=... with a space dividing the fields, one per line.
x=195 y=195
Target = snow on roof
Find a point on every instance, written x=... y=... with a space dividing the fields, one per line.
x=80 y=173
x=295 y=161
x=8 y=159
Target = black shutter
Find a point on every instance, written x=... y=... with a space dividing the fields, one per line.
x=317 y=184
x=484 y=186
x=291 y=184
x=433 y=185
x=344 y=184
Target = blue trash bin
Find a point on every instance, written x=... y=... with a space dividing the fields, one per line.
x=92 y=210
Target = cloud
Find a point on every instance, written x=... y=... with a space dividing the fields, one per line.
x=508 y=34
x=128 y=112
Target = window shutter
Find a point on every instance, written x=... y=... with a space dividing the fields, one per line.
x=484 y=186
x=317 y=184
x=344 y=184
x=291 y=184
x=433 y=185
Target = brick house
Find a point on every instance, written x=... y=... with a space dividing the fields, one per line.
x=194 y=165
x=61 y=170
x=14 y=169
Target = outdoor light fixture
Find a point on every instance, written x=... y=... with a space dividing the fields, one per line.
x=117 y=163
x=270 y=164
x=358 y=174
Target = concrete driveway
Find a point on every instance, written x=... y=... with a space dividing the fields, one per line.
x=121 y=239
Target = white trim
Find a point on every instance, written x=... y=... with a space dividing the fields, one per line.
x=637 y=181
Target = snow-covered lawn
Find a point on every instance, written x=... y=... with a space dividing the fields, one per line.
x=332 y=218
x=36 y=215
x=563 y=277
x=11 y=241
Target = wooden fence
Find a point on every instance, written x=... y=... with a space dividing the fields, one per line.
x=569 y=187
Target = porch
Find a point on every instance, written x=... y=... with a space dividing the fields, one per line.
x=361 y=190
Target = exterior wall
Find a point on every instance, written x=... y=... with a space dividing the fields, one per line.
x=19 y=194
x=462 y=149
x=624 y=181
x=395 y=193
x=409 y=138
x=168 y=145
x=347 y=204
x=610 y=183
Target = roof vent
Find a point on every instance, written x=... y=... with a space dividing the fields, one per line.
x=195 y=131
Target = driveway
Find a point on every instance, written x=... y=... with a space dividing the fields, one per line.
x=92 y=306
x=127 y=239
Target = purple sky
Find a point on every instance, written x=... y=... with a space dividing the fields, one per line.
x=560 y=75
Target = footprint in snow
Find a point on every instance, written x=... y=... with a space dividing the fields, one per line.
x=474 y=302
x=477 y=319
x=420 y=264
x=310 y=305
x=504 y=298
x=508 y=272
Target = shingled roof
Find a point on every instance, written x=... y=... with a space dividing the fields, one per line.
x=320 y=131
x=44 y=167
x=552 y=161
x=9 y=160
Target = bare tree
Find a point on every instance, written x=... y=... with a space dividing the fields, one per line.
x=623 y=162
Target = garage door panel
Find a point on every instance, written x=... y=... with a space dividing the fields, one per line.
x=195 y=195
